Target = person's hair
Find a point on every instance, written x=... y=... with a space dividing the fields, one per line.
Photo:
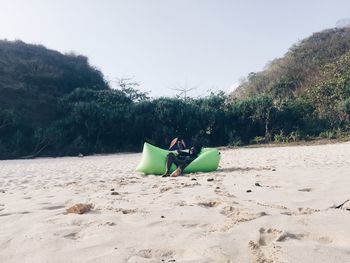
x=197 y=148
x=197 y=144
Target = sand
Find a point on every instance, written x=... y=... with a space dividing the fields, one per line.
x=288 y=215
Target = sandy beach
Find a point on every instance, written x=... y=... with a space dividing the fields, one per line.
x=263 y=205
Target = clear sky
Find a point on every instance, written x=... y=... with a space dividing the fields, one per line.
x=208 y=44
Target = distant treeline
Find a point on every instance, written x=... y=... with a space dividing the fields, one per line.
x=106 y=121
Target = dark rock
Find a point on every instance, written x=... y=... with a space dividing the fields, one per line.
x=249 y=191
x=210 y=179
x=114 y=193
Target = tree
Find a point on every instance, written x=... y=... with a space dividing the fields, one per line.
x=129 y=87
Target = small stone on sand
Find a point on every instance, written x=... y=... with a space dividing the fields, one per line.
x=79 y=208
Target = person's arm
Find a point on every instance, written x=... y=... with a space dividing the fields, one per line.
x=183 y=152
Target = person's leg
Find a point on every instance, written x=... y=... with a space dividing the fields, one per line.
x=181 y=166
x=169 y=161
x=177 y=172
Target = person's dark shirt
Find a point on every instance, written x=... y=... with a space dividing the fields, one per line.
x=186 y=156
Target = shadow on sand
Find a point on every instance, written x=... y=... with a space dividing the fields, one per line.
x=240 y=169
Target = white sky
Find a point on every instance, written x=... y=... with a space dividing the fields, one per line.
x=208 y=44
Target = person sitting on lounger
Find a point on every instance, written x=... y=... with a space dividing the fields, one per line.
x=181 y=158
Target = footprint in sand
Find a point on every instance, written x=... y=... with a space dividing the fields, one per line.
x=181 y=203
x=235 y=216
x=306 y=211
x=260 y=256
x=18 y=213
x=212 y=203
x=190 y=185
x=221 y=190
x=189 y=225
x=270 y=235
x=165 y=189
x=287 y=213
x=286 y=235
x=24 y=213
x=44 y=203
x=305 y=190
x=275 y=206
x=6 y=214
x=324 y=240
x=54 y=207
x=265 y=249
x=77 y=222
x=126 y=211
x=267 y=236
x=73 y=236
x=148 y=255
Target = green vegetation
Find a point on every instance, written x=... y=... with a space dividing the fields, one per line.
x=53 y=104
x=302 y=67
x=312 y=80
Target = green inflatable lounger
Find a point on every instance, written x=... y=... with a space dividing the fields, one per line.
x=153 y=161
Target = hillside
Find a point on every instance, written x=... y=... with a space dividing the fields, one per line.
x=302 y=68
x=32 y=77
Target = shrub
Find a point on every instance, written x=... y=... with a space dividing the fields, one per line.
x=295 y=136
x=258 y=140
x=281 y=138
x=236 y=142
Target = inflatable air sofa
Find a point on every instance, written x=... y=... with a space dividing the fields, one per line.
x=153 y=161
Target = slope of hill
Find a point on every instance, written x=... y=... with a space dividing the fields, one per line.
x=302 y=68
x=32 y=77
